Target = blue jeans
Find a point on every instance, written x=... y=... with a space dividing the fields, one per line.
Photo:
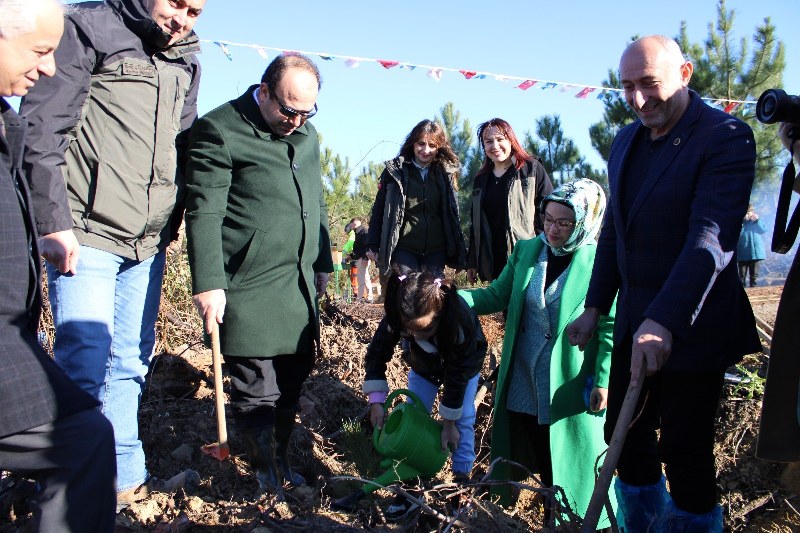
x=464 y=456
x=105 y=319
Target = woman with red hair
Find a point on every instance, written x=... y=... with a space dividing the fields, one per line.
x=506 y=192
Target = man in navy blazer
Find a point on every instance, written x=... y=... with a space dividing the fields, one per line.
x=50 y=429
x=680 y=180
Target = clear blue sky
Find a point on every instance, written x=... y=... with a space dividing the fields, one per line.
x=368 y=110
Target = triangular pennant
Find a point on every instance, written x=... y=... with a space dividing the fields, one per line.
x=435 y=73
x=326 y=58
x=527 y=84
x=352 y=62
x=224 y=48
x=468 y=73
x=549 y=85
x=585 y=92
x=731 y=106
x=388 y=64
x=262 y=52
x=407 y=66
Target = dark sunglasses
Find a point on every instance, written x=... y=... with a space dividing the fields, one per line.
x=290 y=113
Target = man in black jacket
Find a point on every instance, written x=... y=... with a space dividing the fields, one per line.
x=49 y=428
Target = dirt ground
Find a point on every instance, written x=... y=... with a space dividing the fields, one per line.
x=177 y=418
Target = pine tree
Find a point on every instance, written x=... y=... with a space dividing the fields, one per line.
x=724 y=70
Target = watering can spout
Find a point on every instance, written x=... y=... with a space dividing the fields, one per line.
x=399 y=471
x=411 y=442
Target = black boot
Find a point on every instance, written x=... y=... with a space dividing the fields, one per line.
x=284 y=423
x=260 y=447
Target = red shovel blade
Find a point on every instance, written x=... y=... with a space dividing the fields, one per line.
x=220 y=452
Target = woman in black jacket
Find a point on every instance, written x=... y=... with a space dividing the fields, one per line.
x=506 y=192
x=415 y=222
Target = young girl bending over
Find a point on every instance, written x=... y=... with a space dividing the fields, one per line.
x=446 y=349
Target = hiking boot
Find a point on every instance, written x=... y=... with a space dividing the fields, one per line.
x=401 y=507
x=183 y=480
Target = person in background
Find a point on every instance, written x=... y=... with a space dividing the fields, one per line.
x=364 y=293
x=50 y=429
x=550 y=399
x=506 y=191
x=667 y=247
x=414 y=222
x=446 y=350
x=779 y=428
x=107 y=139
x=257 y=229
x=348 y=260
x=750 y=250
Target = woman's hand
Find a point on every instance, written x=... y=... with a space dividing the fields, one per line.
x=377 y=414
x=450 y=435
x=598 y=399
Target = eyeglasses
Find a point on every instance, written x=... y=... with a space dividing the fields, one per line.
x=290 y=113
x=561 y=223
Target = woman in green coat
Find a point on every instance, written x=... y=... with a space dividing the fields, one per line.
x=551 y=397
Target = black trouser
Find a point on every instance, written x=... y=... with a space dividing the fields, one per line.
x=74 y=461
x=537 y=437
x=259 y=385
x=683 y=406
x=410 y=262
x=752 y=268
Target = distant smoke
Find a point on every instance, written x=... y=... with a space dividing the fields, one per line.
x=774 y=268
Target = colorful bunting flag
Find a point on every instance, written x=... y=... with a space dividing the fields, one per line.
x=224 y=48
x=603 y=93
x=731 y=106
x=435 y=73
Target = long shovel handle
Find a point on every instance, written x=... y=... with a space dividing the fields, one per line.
x=600 y=493
x=219 y=395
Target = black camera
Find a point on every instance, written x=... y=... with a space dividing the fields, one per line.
x=774 y=105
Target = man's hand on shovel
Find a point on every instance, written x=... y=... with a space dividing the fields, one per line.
x=652 y=346
x=211 y=306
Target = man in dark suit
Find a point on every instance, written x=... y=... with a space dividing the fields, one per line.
x=680 y=180
x=49 y=428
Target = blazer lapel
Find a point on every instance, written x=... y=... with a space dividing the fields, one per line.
x=675 y=140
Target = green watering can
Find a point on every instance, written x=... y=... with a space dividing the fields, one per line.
x=411 y=443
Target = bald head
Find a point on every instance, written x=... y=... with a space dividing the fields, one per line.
x=655 y=77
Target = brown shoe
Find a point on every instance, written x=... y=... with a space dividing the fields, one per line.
x=182 y=480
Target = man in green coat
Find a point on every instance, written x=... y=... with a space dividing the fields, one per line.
x=259 y=251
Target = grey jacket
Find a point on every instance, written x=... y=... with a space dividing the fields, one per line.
x=386 y=219
x=108 y=125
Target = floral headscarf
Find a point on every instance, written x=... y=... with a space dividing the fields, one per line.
x=588 y=200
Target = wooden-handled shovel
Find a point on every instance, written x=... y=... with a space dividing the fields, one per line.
x=218 y=450
x=600 y=494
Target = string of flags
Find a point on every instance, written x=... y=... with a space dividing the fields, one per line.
x=582 y=91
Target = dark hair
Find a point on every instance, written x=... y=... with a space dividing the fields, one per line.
x=278 y=67
x=517 y=151
x=416 y=294
x=444 y=152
